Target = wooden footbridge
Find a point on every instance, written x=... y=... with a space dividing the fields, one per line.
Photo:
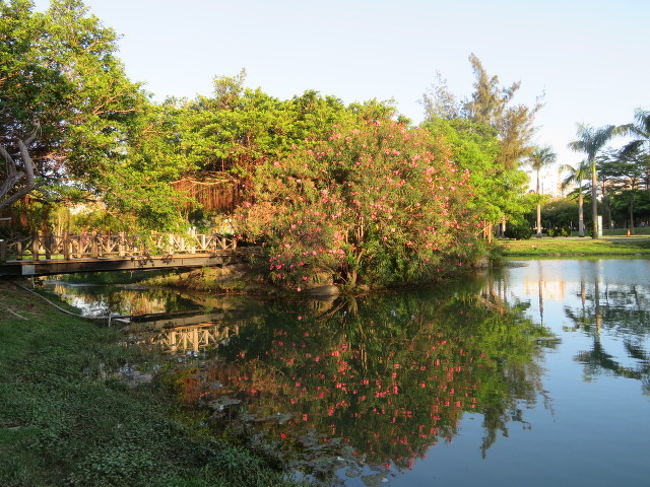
x=45 y=254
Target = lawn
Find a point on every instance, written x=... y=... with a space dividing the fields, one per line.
x=576 y=246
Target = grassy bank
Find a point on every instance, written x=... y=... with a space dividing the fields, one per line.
x=67 y=416
x=575 y=246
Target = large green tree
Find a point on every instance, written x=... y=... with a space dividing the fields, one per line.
x=590 y=141
x=62 y=90
x=489 y=135
x=491 y=104
x=624 y=171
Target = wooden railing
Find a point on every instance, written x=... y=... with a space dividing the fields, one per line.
x=91 y=245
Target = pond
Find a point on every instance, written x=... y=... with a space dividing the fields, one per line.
x=534 y=375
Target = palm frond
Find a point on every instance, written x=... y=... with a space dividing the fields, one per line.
x=631 y=148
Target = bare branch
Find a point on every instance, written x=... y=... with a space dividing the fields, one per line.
x=32 y=137
x=16 y=196
x=11 y=164
x=15 y=176
x=27 y=163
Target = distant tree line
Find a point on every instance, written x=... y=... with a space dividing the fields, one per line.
x=620 y=178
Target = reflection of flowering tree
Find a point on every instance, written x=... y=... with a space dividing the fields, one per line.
x=388 y=375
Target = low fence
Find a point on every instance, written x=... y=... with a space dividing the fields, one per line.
x=91 y=245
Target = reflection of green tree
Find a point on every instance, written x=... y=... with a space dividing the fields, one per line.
x=124 y=300
x=389 y=375
x=622 y=310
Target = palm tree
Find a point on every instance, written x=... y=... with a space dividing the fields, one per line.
x=540 y=157
x=639 y=130
x=576 y=176
x=590 y=141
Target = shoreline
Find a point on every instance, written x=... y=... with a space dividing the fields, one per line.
x=576 y=247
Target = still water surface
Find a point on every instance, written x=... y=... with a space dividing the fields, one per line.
x=536 y=375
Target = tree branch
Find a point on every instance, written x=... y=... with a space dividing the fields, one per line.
x=14 y=175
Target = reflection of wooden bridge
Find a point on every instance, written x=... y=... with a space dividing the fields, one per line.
x=44 y=254
x=191 y=332
x=194 y=337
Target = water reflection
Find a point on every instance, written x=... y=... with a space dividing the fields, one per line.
x=123 y=299
x=381 y=378
x=372 y=384
x=186 y=334
x=621 y=310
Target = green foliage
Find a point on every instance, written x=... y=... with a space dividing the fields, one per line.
x=498 y=192
x=560 y=212
x=59 y=70
x=239 y=127
x=519 y=231
x=97 y=129
x=558 y=232
x=625 y=173
x=379 y=202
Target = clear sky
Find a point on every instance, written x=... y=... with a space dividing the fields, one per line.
x=588 y=57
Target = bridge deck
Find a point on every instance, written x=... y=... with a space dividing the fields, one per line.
x=115 y=263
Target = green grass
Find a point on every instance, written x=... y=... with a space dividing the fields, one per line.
x=66 y=418
x=575 y=246
x=623 y=231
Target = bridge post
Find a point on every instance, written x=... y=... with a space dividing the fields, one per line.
x=48 y=241
x=36 y=247
x=3 y=250
x=65 y=243
x=120 y=244
x=94 y=250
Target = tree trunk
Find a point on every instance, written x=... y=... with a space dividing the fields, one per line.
x=539 y=212
x=605 y=208
x=581 y=216
x=632 y=213
x=594 y=201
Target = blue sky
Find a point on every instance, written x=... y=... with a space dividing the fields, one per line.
x=589 y=58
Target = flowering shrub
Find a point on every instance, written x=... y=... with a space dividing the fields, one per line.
x=378 y=203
